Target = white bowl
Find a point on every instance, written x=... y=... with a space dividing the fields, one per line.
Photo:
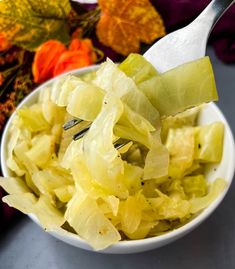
x=224 y=170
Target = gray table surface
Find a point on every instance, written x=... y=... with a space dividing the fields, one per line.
x=211 y=245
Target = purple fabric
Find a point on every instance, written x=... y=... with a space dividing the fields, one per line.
x=178 y=13
x=6 y=212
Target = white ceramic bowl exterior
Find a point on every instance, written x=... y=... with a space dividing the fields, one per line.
x=225 y=169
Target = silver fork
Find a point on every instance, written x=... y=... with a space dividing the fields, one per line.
x=184 y=45
x=189 y=43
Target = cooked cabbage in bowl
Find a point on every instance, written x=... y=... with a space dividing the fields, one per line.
x=155 y=183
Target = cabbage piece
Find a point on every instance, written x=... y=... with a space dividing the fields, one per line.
x=142 y=230
x=32 y=118
x=44 y=95
x=65 y=193
x=24 y=202
x=51 y=112
x=81 y=174
x=138 y=68
x=209 y=142
x=62 y=88
x=183 y=119
x=195 y=168
x=112 y=202
x=11 y=160
x=195 y=186
x=25 y=133
x=148 y=188
x=111 y=78
x=49 y=216
x=133 y=126
x=180 y=144
x=20 y=150
x=56 y=132
x=157 y=159
x=130 y=213
x=137 y=101
x=49 y=179
x=170 y=207
x=30 y=184
x=174 y=189
x=108 y=204
x=73 y=150
x=15 y=166
x=85 y=183
x=15 y=134
x=134 y=155
x=102 y=159
x=13 y=185
x=88 y=77
x=85 y=101
x=132 y=177
x=161 y=227
x=90 y=223
x=199 y=203
x=41 y=150
x=183 y=87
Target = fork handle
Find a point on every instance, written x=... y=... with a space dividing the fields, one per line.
x=211 y=14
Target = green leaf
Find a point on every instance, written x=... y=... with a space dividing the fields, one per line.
x=28 y=23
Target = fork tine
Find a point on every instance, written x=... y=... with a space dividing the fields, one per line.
x=71 y=123
x=117 y=144
x=120 y=145
x=80 y=134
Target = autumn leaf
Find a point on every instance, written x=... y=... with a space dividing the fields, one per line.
x=126 y=23
x=28 y=23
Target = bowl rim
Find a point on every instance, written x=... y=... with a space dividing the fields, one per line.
x=125 y=244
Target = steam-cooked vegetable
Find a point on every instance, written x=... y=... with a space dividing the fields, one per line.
x=154 y=184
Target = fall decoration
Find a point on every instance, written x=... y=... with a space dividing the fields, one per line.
x=53 y=58
x=45 y=60
x=41 y=39
x=126 y=23
x=29 y=23
x=4 y=43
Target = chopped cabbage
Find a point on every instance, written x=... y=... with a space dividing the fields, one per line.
x=152 y=185
x=13 y=185
x=199 y=203
x=136 y=67
x=206 y=137
x=180 y=88
x=88 y=110
x=41 y=150
x=180 y=144
x=33 y=118
x=195 y=186
x=84 y=215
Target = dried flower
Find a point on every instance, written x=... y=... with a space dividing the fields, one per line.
x=45 y=60
x=4 y=43
x=71 y=60
x=84 y=45
x=1 y=78
x=52 y=58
